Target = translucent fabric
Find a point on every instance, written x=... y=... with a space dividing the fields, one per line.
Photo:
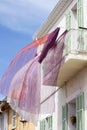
x=21 y=83
x=19 y=60
x=49 y=44
x=24 y=98
x=52 y=62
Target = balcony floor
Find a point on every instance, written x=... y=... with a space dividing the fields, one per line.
x=73 y=63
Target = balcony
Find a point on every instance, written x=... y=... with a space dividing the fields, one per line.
x=75 y=55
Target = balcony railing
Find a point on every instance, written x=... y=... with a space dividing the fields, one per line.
x=76 y=55
x=75 y=41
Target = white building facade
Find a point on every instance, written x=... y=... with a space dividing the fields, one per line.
x=71 y=98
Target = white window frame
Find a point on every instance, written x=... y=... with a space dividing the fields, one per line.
x=13 y=119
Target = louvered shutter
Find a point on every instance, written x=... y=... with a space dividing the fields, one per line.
x=50 y=123
x=65 y=117
x=80 y=112
x=80 y=24
x=68 y=37
x=68 y=20
x=42 y=125
x=80 y=13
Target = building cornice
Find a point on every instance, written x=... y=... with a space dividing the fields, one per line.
x=56 y=13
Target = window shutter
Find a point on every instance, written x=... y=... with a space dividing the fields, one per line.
x=68 y=20
x=46 y=124
x=65 y=117
x=13 y=119
x=42 y=125
x=80 y=112
x=68 y=37
x=81 y=42
x=80 y=13
x=50 y=123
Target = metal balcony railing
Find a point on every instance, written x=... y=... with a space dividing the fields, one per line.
x=75 y=41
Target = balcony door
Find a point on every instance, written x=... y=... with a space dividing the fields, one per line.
x=73 y=114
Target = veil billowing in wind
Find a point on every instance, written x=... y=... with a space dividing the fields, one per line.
x=27 y=91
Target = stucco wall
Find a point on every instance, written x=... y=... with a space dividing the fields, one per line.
x=69 y=92
x=19 y=125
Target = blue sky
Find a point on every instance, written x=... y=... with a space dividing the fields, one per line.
x=19 y=20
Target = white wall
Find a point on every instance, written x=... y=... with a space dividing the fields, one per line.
x=54 y=116
x=77 y=84
x=71 y=89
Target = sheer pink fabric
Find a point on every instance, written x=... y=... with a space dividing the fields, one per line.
x=22 y=82
x=52 y=62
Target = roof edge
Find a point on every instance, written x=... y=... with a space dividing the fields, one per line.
x=53 y=17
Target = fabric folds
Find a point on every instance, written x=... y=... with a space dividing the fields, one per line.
x=52 y=62
x=29 y=78
x=49 y=44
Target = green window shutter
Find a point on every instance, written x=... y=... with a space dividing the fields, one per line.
x=80 y=24
x=80 y=112
x=65 y=117
x=47 y=121
x=68 y=20
x=50 y=123
x=42 y=125
x=68 y=37
x=80 y=13
x=81 y=42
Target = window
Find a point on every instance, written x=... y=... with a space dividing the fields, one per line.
x=13 y=120
x=46 y=124
x=77 y=110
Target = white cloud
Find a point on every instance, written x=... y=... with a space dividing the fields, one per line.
x=24 y=15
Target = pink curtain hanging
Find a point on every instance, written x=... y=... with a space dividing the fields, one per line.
x=21 y=83
x=52 y=62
